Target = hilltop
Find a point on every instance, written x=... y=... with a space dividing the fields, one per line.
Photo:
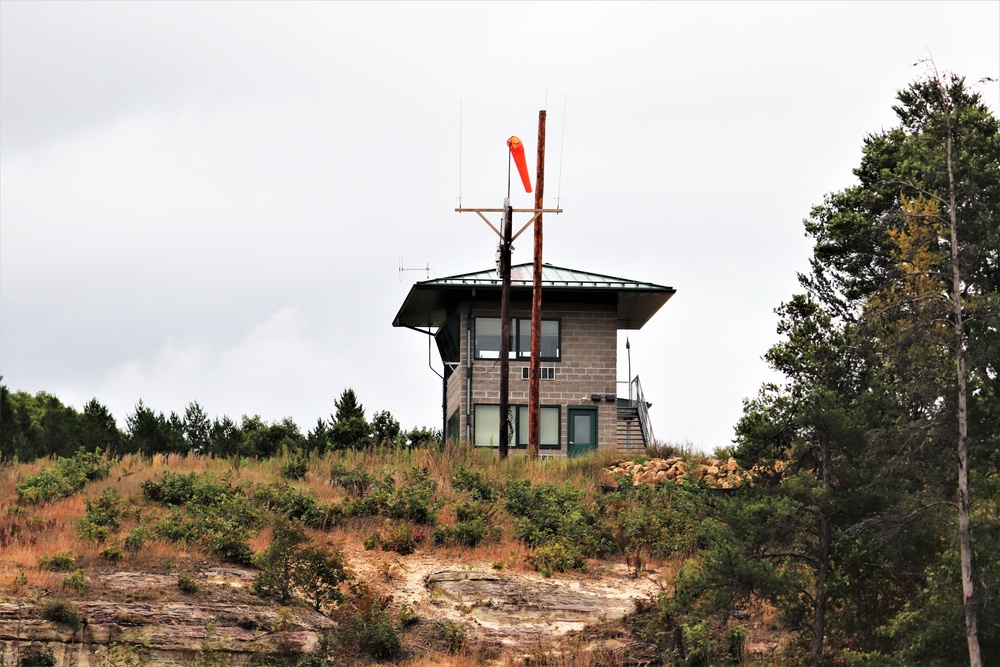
x=404 y=555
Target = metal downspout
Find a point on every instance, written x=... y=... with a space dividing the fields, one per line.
x=468 y=369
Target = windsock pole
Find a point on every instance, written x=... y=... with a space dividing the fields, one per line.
x=535 y=370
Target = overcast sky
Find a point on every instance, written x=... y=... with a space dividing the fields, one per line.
x=209 y=201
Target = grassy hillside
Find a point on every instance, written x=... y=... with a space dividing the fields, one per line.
x=66 y=524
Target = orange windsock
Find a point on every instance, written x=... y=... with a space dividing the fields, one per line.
x=517 y=152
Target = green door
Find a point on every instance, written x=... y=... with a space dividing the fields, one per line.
x=582 y=427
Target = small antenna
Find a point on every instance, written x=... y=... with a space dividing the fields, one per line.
x=460 y=153
x=426 y=269
x=562 y=143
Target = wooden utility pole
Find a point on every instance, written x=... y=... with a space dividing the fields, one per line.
x=534 y=371
x=508 y=220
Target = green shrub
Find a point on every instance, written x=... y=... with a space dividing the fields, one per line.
x=62 y=611
x=187 y=584
x=380 y=640
x=557 y=557
x=36 y=656
x=295 y=467
x=548 y=513
x=474 y=527
x=113 y=552
x=232 y=548
x=136 y=539
x=365 y=627
x=453 y=637
x=77 y=580
x=356 y=481
x=63 y=478
x=106 y=510
x=481 y=490
x=60 y=561
x=401 y=538
x=295 y=504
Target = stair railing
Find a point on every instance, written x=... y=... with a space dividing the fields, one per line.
x=638 y=400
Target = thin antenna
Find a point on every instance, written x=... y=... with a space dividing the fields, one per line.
x=562 y=142
x=426 y=269
x=460 y=153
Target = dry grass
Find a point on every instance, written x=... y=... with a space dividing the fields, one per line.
x=30 y=532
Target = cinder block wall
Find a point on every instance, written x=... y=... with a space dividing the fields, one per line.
x=588 y=366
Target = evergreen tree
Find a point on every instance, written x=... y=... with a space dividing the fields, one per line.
x=197 y=428
x=350 y=429
x=891 y=360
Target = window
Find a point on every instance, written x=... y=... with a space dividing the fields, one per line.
x=550 y=339
x=545 y=373
x=488 y=338
x=488 y=426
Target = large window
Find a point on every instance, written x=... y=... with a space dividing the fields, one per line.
x=487 y=427
x=488 y=338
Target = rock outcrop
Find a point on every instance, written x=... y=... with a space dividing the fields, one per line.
x=715 y=473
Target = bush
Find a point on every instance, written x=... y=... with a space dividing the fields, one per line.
x=37 y=656
x=232 y=548
x=557 y=557
x=474 y=526
x=64 y=478
x=551 y=513
x=113 y=552
x=452 y=636
x=356 y=481
x=482 y=490
x=295 y=467
x=77 y=581
x=366 y=627
x=401 y=538
x=62 y=611
x=187 y=584
x=60 y=561
x=135 y=539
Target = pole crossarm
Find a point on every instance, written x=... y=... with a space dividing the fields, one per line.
x=536 y=211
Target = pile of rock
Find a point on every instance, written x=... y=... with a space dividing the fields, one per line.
x=715 y=473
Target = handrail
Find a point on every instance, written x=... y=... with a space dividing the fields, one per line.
x=639 y=402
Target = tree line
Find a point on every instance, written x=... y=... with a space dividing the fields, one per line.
x=33 y=426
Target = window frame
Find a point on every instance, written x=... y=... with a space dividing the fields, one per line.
x=516 y=409
x=515 y=352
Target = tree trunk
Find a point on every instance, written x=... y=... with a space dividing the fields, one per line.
x=823 y=568
x=964 y=533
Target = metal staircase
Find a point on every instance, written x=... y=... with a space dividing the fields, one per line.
x=634 y=429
